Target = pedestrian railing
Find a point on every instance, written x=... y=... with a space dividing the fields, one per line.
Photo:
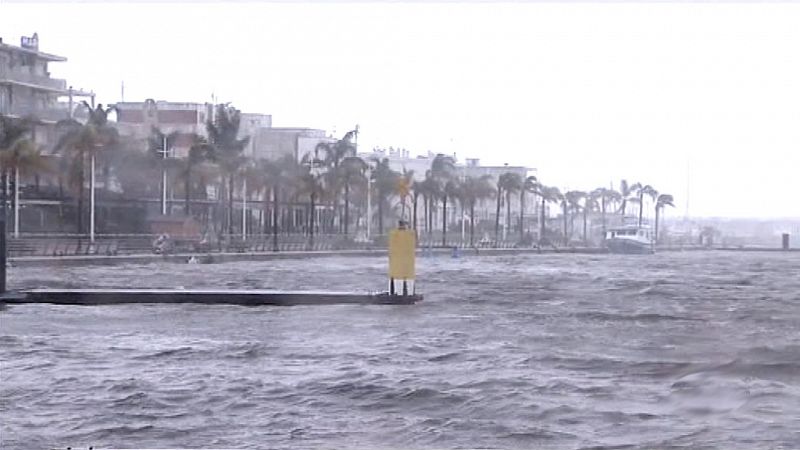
x=133 y=244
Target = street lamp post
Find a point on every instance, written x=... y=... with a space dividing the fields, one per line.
x=164 y=175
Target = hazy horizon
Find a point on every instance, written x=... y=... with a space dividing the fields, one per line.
x=588 y=94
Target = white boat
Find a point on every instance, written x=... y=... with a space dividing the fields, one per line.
x=630 y=238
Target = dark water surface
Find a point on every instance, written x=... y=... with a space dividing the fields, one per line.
x=693 y=350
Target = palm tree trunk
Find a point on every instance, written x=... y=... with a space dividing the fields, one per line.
x=265 y=206
x=4 y=189
x=641 y=207
x=346 y=208
x=380 y=213
x=543 y=225
x=585 y=240
x=444 y=220
x=508 y=214
x=497 y=217
x=655 y=231
x=429 y=216
x=566 y=235
x=81 y=181
x=311 y=222
x=187 y=187
x=275 y=208
x=230 y=204
x=521 y=214
x=414 y=214
x=603 y=207
x=472 y=224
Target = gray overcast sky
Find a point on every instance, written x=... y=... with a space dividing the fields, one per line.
x=587 y=93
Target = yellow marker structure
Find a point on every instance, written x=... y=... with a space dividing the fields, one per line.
x=402 y=257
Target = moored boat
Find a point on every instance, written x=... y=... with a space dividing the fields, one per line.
x=631 y=238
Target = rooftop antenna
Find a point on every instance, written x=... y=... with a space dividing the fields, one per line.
x=122 y=92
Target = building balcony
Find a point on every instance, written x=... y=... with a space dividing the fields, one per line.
x=9 y=76
x=48 y=114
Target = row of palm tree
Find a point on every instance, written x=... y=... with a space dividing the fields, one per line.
x=333 y=176
x=598 y=200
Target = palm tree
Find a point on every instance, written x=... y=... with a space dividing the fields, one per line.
x=625 y=192
x=312 y=183
x=199 y=150
x=662 y=201
x=549 y=195
x=351 y=170
x=571 y=201
x=417 y=189
x=589 y=205
x=226 y=149
x=443 y=170
x=81 y=140
x=528 y=186
x=385 y=182
x=473 y=191
x=404 y=186
x=450 y=190
x=641 y=191
x=272 y=176
x=605 y=195
x=499 y=197
x=429 y=189
x=513 y=184
x=19 y=154
x=333 y=155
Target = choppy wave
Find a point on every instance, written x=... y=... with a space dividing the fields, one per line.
x=694 y=350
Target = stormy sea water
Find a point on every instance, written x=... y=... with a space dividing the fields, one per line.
x=674 y=350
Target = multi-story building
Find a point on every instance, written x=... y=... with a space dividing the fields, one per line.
x=136 y=120
x=400 y=160
x=28 y=90
x=275 y=143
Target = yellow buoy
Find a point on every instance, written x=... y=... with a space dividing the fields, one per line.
x=402 y=256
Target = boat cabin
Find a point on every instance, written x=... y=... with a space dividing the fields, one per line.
x=640 y=233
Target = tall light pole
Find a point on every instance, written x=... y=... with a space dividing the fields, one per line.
x=164 y=175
